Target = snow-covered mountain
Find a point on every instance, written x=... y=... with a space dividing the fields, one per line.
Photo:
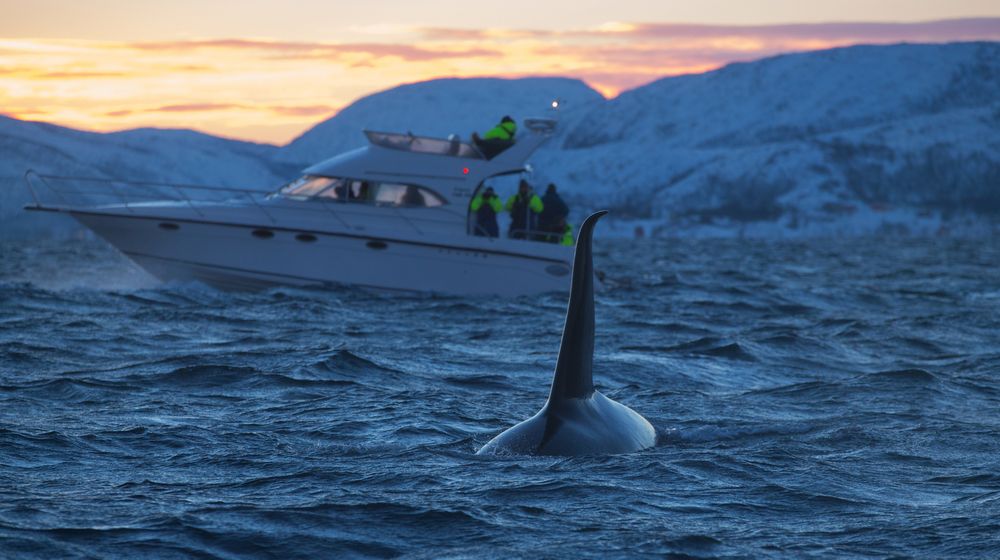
x=848 y=140
x=439 y=108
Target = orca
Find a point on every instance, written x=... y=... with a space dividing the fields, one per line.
x=577 y=419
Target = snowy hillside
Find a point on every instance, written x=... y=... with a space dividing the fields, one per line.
x=903 y=137
x=438 y=108
x=143 y=154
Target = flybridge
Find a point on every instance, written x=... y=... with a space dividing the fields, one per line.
x=452 y=146
x=449 y=166
x=423 y=145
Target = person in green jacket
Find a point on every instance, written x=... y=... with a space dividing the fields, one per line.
x=524 y=208
x=567 y=238
x=503 y=131
x=496 y=139
x=486 y=206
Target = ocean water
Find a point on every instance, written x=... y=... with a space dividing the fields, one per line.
x=820 y=398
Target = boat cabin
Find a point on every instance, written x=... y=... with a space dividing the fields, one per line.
x=427 y=178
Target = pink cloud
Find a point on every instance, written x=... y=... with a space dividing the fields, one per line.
x=302 y=110
x=292 y=49
x=286 y=110
x=461 y=34
x=944 y=30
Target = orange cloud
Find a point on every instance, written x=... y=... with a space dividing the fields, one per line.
x=70 y=74
x=24 y=113
x=196 y=107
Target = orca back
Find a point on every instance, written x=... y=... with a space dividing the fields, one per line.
x=576 y=419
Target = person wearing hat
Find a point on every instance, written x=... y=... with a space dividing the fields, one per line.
x=524 y=208
x=552 y=216
x=486 y=206
x=496 y=139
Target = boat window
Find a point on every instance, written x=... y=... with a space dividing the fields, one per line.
x=337 y=190
x=357 y=190
x=397 y=194
x=307 y=186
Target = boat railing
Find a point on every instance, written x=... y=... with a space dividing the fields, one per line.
x=57 y=192
x=522 y=234
x=77 y=193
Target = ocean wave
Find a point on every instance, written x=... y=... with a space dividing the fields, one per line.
x=703 y=434
x=809 y=399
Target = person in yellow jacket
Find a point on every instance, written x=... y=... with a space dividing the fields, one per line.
x=567 y=238
x=524 y=208
x=496 y=139
x=503 y=131
x=486 y=207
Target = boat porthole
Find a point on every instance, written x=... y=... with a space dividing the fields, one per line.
x=376 y=244
x=169 y=226
x=306 y=237
x=557 y=269
x=262 y=233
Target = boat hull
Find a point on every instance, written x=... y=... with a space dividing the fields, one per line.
x=240 y=256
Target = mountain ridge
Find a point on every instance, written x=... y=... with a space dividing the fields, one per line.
x=830 y=133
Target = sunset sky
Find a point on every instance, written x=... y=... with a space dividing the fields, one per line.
x=267 y=70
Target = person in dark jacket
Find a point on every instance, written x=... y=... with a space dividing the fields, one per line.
x=497 y=139
x=486 y=206
x=524 y=208
x=358 y=191
x=553 y=215
x=412 y=197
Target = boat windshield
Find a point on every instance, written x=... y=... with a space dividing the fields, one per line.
x=314 y=187
x=307 y=186
x=423 y=145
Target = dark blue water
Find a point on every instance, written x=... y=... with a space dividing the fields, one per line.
x=815 y=399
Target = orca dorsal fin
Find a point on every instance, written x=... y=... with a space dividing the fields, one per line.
x=574 y=377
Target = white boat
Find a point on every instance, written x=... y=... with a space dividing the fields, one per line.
x=393 y=215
